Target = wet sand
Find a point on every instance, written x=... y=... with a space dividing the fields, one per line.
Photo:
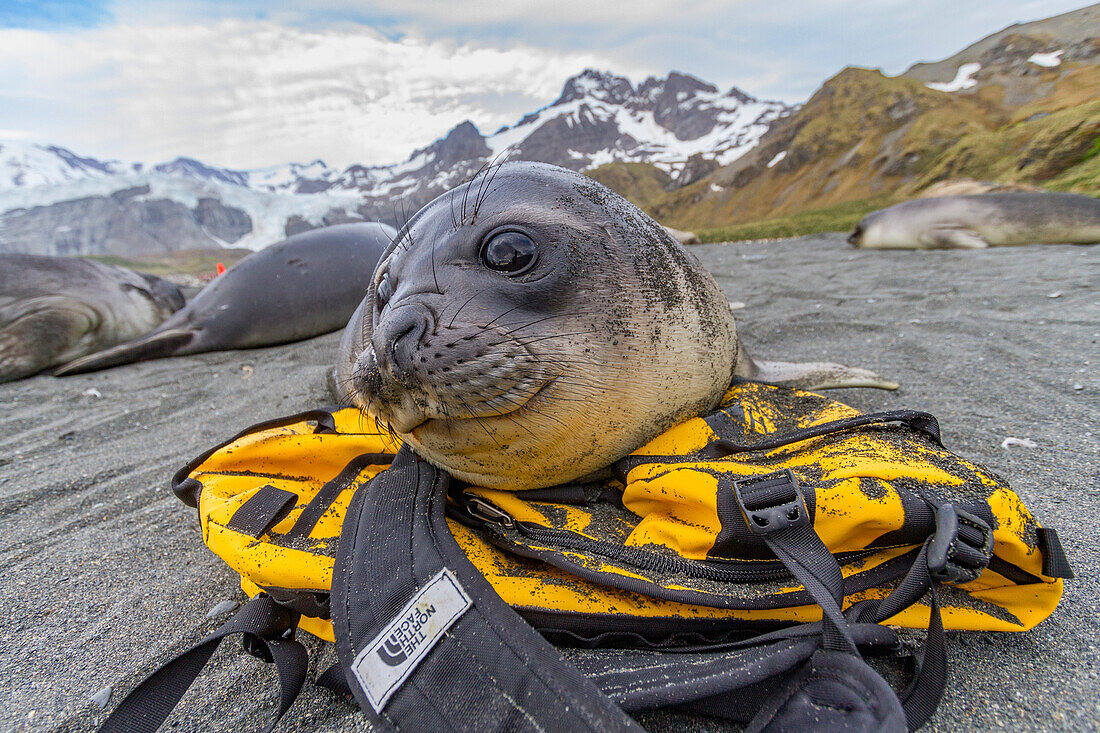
x=103 y=574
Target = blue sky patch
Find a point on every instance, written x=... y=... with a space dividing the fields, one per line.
x=45 y=14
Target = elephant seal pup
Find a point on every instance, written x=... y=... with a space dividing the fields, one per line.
x=983 y=220
x=55 y=309
x=302 y=287
x=532 y=326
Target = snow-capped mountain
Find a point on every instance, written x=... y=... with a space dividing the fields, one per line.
x=24 y=165
x=53 y=201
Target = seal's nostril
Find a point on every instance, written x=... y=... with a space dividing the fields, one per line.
x=403 y=346
x=399 y=347
x=397 y=340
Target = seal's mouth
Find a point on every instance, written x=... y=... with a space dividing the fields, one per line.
x=531 y=405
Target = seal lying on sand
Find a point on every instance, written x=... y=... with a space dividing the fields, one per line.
x=985 y=220
x=302 y=287
x=55 y=309
x=532 y=326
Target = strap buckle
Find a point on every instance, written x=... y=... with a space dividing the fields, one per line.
x=962 y=546
x=485 y=511
x=771 y=502
x=279 y=624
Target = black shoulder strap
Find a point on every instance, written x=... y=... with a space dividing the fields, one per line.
x=425 y=641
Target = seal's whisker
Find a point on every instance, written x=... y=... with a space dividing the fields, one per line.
x=550 y=418
x=408 y=229
x=484 y=174
x=480 y=422
x=510 y=310
x=509 y=415
x=494 y=168
x=528 y=324
x=401 y=226
x=464 y=304
x=466 y=191
x=434 y=276
x=528 y=342
x=518 y=406
x=562 y=379
x=566 y=359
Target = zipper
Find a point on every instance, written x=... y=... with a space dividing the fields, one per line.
x=747 y=571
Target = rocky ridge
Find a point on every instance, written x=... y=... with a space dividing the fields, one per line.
x=53 y=201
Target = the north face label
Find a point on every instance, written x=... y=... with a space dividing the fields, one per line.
x=387 y=661
x=407 y=637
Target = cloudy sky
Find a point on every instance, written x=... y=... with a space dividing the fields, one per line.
x=251 y=83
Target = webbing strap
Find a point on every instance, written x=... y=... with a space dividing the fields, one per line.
x=1055 y=562
x=331 y=491
x=425 y=641
x=775 y=510
x=150 y=703
x=922 y=696
x=262 y=511
x=836 y=689
x=810 y=562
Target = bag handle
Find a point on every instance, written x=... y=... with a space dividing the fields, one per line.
x=921 y=421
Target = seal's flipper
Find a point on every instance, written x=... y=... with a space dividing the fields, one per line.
x=811 y=375
x=956 y=238
x=38 y=340
x=150 y=346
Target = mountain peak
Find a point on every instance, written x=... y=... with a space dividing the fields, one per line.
x=601 y=85
x=462 y=143
x=674 y=84
x=191 y=168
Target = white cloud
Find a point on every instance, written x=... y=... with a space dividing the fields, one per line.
x=254 y=82
x=251 y=93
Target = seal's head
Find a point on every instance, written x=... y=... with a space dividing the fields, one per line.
x=531 y=327
x=894 y=228
x=164 y=294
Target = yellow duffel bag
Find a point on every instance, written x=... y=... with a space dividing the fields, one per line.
x=662 y=549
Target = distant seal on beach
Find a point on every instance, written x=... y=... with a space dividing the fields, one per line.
x=984 y=220
x=532 y=326
x=302 y=287
x=55 y=309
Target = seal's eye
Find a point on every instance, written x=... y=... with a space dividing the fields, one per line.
x=384 y=291
x=510 y=252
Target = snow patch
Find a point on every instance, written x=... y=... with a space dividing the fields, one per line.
x=963 y=79
x=778 y=157
x=269 y=211
x=1047 y=60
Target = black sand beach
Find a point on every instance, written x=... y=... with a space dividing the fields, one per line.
x=103 y=574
